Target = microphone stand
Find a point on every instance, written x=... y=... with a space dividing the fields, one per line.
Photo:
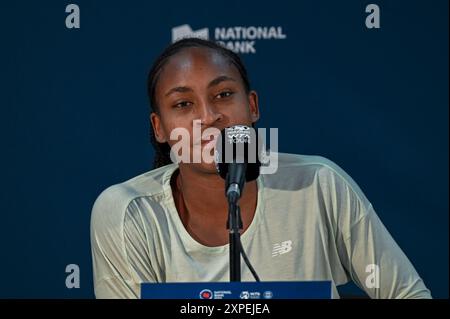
x=234 y=225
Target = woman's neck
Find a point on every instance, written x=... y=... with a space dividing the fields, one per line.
x=201 y=202
x=203 y=193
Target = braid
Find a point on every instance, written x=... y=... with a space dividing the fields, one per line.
x=162 y=150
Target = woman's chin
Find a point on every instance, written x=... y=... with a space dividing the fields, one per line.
x=209 y=167
x=203 y=167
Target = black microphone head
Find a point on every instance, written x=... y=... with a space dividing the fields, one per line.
x=238 y=144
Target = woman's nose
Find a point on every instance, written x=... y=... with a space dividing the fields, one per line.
x=209 y=114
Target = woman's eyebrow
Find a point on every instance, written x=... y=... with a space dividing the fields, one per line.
x=220 y=79
x=184 y=89
x=179 y=89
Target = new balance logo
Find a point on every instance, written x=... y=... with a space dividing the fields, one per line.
x=282 y=248
x=185 y=31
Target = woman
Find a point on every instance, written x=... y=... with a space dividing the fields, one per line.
x=308 y=221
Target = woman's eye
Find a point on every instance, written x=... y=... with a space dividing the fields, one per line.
x=224 y=94
x=183 y=104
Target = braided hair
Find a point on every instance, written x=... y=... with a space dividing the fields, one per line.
x=162 y=150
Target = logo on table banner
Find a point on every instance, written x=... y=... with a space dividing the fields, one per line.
x=250 y=295
x=206 y=294
x=244 y=295
x=240 y=39
x=268 y=294
x=216 y=294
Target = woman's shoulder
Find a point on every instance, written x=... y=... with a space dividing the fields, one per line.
x=290 y=160
x=293 y=166
x=297 y=172
x=112 y=203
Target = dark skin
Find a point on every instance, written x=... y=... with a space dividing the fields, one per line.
x=200 y=84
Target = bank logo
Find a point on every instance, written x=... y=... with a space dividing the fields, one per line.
x=240 y=39
x=185 y=31
x=282 y=248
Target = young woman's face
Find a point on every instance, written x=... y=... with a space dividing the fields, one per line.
x=200 y=84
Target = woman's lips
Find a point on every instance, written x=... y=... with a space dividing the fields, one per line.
x=209 y=142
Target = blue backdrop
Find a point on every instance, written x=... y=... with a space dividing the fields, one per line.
x=74 y=116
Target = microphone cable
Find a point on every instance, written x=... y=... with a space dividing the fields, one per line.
x=247 y=262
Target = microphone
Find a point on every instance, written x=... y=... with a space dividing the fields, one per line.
x=237 y=161
x=237 y=158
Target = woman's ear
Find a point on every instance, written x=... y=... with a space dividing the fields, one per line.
x=253 y=104
x=160 y=135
